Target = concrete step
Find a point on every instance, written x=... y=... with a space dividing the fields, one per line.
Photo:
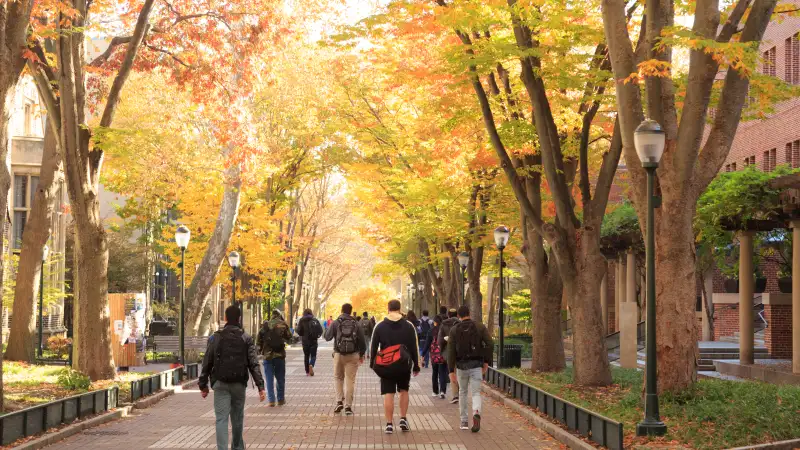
x=706 y=368
x=757 y=355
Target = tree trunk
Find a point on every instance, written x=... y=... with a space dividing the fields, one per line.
x=676 y=337
x=21 y=345
x=217 y=248
x=547 y=345
x=590 y=357
x=474 y=269
x=491 y=315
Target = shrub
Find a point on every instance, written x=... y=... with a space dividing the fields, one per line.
x=59 y=345
x=73 y=380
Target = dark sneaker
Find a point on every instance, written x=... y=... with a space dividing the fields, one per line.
x=404 y=426
x=442 y=396
x=339 y=407
x=273 y=404
x=281 y=402
x=465 y=425
x=348 y=411
x=454 y=401
x=476 y=423
x=389 y=429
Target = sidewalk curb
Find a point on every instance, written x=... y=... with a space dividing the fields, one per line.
x=560 y=434
x=71 y=430
x=151 y=400
x=780 y=445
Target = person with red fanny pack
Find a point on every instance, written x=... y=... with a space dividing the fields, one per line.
x=395 y=347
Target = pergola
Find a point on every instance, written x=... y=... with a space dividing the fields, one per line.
x=787 y=217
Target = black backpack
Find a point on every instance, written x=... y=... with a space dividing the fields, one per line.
x=230 y=359
x=424 y=329
x=469 y=345
x=316 y=329
x=272 y=338
x=346 y=334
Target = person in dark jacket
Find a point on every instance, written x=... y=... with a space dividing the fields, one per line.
x=469 y=352
x=395 y=330
x=444 y=334
x=228 y=377
x=310 y=330
x=349 y=347
x=439 y=374
x=272 y=339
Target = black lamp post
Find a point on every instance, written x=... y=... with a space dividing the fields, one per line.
x=501 y=234
x=45 y=253
x=649 y=139
x=182 y=236
x=463 y=260
x=233 y=260
x=421 y=290
x=291 y=303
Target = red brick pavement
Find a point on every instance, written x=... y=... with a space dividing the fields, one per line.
x=186 y=421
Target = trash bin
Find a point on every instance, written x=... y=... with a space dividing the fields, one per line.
x=512 y=355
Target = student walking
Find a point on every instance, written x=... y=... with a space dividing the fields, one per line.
x=272 y=339
x=444 y=335
x=439 y=374
x=469 y=352
x=368 y=325
x=310 y=330
x=349 y=347
x=396 y=350
x=228 y=359
x=425 y=327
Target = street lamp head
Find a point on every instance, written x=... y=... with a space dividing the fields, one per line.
x=421 y=286
x=649 y=139
x=438 y=273
x=233 y=259
x=45 y=253
x=291 y=284
x=182 y=236
x=501 y=234
x=463 y=259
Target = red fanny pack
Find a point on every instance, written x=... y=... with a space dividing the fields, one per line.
x=392 y=362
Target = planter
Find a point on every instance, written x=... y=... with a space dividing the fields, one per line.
x=760 y=286
x=785 y=285
x=731 y=285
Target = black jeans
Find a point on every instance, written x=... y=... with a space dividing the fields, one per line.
x=309 y=354
x=440 y=376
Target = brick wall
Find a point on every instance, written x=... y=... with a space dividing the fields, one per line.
x=726 y=321
x=769 y=269
x=778 y=335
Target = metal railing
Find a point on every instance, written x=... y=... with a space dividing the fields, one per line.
x=597 y=428
x=613 y=342
x=163 y=380
x=40 y=418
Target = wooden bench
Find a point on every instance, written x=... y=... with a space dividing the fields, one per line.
x=171 y=344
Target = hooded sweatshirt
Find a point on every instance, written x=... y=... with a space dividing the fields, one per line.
x=394 y=330
x=304 y=329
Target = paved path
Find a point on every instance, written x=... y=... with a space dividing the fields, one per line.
x=186 y=421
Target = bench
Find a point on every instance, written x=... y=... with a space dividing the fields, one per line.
x=171 y=344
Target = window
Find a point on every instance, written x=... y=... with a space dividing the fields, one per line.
x=765 y=162
x=24 y=194
x=727 y=168
x=28 y=120
x=768 y=64
x=773 y=159
x=750 y=161
x=768 y=163
x=733 y=167
x=792 y=52
x=793 y=154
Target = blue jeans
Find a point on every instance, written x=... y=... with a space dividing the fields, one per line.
x=275 y=370
x=229 y=402
x=310 y=355
x=426 y=355
x=469 y=382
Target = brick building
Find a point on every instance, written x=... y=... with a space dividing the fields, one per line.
x=767 y=143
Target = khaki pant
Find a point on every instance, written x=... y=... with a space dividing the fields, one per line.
x=345 y=368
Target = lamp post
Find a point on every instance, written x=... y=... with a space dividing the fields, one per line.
x=463 y=260
x=233 y=260
x=182 y=236
x=45 y=253
x=291 y=302
x=421 y=290
x=501 y=234
x=649 y=139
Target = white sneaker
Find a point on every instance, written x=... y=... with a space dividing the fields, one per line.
x=434 y=394
x=464 y=425
x=442 y=396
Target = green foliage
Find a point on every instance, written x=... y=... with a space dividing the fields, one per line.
x=127 y=263
x=73 y=380
x=735 y=198
x=52 y=294
x=518 y=306
x=166 y=310
x=713 y=414
x=622 y=221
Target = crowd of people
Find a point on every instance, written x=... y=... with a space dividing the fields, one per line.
x=456 y=348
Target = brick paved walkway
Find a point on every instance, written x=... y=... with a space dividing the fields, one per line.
x=186 y=421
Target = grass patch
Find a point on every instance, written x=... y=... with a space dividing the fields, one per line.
x=713 y=414
x=26 y=385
